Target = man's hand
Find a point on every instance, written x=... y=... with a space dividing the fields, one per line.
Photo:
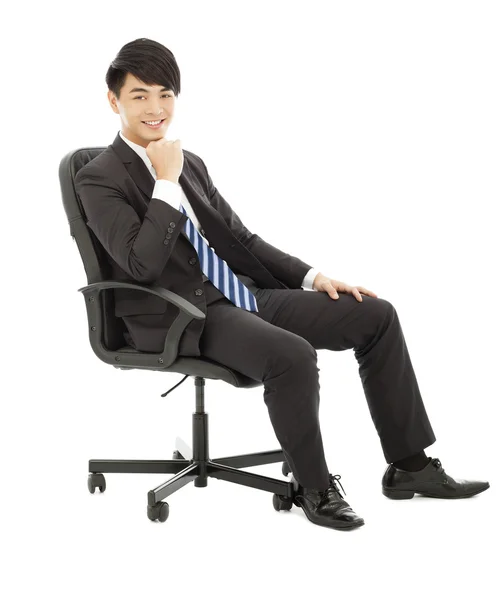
x=167 y=158
x=321 y=283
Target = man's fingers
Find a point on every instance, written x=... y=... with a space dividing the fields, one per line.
x=331 y=290
x=356 y=293
x=366 y=291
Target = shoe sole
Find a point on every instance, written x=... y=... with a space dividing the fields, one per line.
x=406 y=495
x=332 y=524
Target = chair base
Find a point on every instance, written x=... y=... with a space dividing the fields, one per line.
x=195 y=465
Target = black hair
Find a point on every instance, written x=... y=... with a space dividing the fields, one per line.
x=149 y=61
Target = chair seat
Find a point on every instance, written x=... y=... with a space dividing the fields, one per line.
x=202 y=367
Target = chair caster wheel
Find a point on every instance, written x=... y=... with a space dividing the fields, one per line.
x=95 y=480
x=159 y=511
x=176 y=454
x=285 y=468
x=281 y=502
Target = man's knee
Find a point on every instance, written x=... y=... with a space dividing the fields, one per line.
x=379 y=308
x=294 y=352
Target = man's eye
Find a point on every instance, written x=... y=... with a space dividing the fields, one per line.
x=138 y=97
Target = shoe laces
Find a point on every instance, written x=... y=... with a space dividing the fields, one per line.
x=437 y=464
x=333 y=481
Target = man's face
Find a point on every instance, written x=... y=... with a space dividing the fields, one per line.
x=150 y=103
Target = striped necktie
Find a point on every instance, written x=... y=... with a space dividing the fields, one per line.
x=218 y=271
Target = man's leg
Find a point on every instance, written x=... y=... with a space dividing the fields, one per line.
x=287 y=365
x=373 y=330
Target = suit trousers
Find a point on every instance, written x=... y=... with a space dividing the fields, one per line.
x=277 y=346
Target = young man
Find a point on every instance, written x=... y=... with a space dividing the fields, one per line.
x=156 y=212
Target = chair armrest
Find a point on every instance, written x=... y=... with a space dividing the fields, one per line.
x=187 y=312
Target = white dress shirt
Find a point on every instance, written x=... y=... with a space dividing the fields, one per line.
x=173 y=194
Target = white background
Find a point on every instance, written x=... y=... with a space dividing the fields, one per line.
x=362 y=137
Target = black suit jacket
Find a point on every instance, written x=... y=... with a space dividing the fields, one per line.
x=144 y=242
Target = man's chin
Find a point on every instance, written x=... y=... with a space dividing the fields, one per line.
x=154 y=135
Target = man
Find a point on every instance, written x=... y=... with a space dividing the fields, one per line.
x=159 y=217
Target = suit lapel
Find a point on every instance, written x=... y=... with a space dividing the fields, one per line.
x=210 y=220
x=213 y=224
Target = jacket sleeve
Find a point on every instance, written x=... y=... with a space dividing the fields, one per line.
x=288 y=269
x=309 y=279
x=140 y=249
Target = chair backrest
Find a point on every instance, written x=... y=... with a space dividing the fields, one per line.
x=97 y=268
x=92 y=253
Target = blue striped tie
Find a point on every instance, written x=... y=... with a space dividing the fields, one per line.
x=218 y=271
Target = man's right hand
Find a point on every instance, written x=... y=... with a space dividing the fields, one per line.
x=167 y=158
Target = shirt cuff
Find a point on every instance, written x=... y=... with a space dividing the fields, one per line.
x=168 y=191
x=309 y=278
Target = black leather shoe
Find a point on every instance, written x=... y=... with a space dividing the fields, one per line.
x=430 y=481
x=326 y=507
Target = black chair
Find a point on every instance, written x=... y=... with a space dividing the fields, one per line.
x=107 y=340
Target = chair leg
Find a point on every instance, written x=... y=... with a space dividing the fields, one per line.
x=252 y=460
x=187 y=475
x=260 y=482
x=137 y=466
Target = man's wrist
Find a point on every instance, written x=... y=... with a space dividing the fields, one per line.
x=319 y=274
x=168 y=177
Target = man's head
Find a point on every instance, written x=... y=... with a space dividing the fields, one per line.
x=143 y=83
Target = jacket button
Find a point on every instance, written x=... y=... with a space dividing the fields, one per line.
x=192 y=261
x=168 y=236
x=198 y=292
x=166 y=242
x=170 y=229
x=172 y=224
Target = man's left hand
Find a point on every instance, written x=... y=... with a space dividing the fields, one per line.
x=321 y=283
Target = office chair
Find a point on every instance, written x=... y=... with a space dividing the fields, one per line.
x=108 y=343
